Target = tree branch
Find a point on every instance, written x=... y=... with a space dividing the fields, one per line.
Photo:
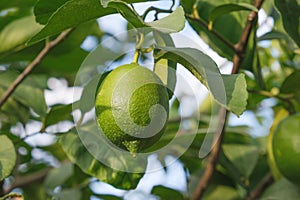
x=258 y=191
x=21 y=181
x=32 y=65
x=240 y=47
x=239 y=56
x=213 y=156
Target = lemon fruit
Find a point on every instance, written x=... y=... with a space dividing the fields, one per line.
x=286 y=147
x=132 y=107
x=280 y=115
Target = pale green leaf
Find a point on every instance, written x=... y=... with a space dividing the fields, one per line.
x=7 y=157
x=244 y=157
x=172 y=23
x=228 y=90
x=281 y=189
x=73 y=193
x=16 y=33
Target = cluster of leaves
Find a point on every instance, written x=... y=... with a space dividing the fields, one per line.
x=25 y=28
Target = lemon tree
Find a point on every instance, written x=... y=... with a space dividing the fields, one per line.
x=57 y=88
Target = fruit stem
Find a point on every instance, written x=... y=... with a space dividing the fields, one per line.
x=139 y=42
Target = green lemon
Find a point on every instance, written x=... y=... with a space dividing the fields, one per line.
x=286 y=147
x=280 y=115
x=132 y=107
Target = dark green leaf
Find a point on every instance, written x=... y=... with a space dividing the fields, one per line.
x=78 y=154
x=28 y=93
x=291 y=85
x=44 y=9
x=228 y=90
x=58 y=113
x=290 y=13
x=7 y=157
x=228 y=8
x=166 y=193
x=70 y=15
x=127 y=12
x=58 y=176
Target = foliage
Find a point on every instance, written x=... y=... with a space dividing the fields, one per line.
x=42 y=40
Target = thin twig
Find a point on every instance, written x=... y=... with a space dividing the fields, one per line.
x=32 y=65
x=258 y=191
x=240 y=47
x=223 y=115
x=213 y=31
x=21 y=181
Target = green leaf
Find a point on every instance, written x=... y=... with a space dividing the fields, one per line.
x=228 y=8
x=28 y=93
x=290 y=85
x=78 y=154
x=234 y=21
x=244 y=157
x=58 y=113
x=7 y=157
x=127 y=12
x=10 y=36
x=74 y=194
x=272 y=35
x=222 y=192
x=69 y=15
x=13 y=111
x=44 y=9
x=58 y=176
x=164 y=68
x=290 y=13
x=167 y=25
x=166 y=193
x=228 y=90
x=281 y=189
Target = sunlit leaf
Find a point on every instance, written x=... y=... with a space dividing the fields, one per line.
x=167 y=24
x=228 y=90
x=7 y=156
x=17 y=33
x=70 y=15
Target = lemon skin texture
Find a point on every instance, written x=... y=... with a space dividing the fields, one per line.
x=132 y=107
x=286 y=147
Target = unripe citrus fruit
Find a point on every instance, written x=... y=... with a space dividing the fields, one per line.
x=132 y=107
x=286 y=147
